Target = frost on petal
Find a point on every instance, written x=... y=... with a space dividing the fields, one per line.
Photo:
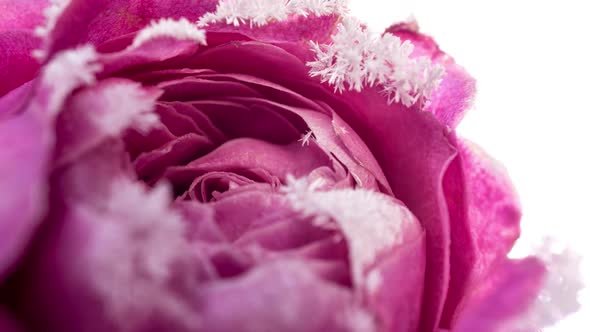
x=67 y=71
x=262 y=12
x=371 y=222
x=180 y=29
x=127 y=105
x=559 y=296
x=134 y=251
x=356 y=58
x=52 y=12
x=105 y=110
x=385 y=242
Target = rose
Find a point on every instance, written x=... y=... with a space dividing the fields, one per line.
x=293 y=207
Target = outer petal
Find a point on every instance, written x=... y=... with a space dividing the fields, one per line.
x=414 y=153
x=27 y=142
x=485 y=216
x=505 y=295
x=17 y=65
x=455 y=93
x=97 y=21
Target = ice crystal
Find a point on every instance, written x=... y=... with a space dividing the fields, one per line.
x=356 y=58
x=167 y=27
x=138 y=244
x=70 y=69
x=128 y=105
x=261 y=12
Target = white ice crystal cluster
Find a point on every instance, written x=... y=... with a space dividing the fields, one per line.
x=357 y=58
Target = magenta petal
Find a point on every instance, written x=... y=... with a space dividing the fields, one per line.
x=21 y=14
x=279 y=296
x=17 y=65
x=396 y=293
x=97 y=21
x=16 y=100
x=27 y=143
x=457 y=89
x=485 y=216
x=504 y=296
x=414 y=153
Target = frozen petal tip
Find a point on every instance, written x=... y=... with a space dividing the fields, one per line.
x=180 y=29
x=262 y=12
x=357 y=58
x=52 y=13
x=559 y=296
x=71 y=69
x=371 y=222
x=135 y=107
x=138 y=246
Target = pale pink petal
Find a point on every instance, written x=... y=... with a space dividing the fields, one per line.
x=281 y=296
x=27 y=143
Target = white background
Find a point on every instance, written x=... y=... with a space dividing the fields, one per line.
x=532 y=109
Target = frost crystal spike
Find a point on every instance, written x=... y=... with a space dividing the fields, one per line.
x=356 y=58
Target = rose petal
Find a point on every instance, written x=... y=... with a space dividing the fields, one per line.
x=414 y=153
x=256 y=121
x=245 y=154
x=27 y=143
x=275 y=296
x=151 y=165
x=97 y=21
x=386 y=247
x=17 y=65
x=501 y=298
x=485 y=215
x=21 y=14
x=16 y=100
x=457 y=89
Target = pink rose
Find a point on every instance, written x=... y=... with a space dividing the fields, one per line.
x=162 y=175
